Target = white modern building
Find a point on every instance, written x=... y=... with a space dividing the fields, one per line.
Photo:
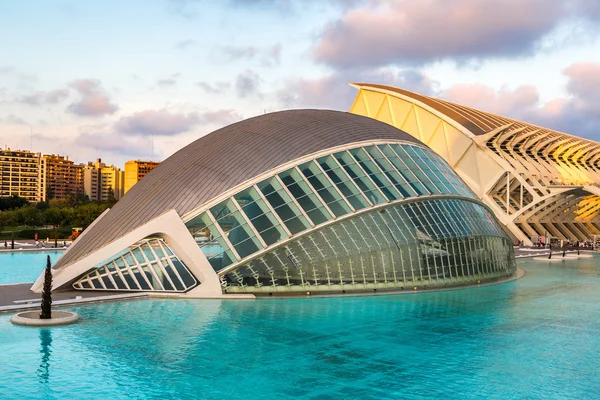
x=292 y=202
x=537 y=181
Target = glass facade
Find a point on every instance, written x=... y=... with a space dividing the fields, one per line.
x=316 y=192
x=148 y=266
x=363 y=218
x=438 y=242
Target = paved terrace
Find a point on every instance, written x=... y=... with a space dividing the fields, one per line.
x=524 y=252
x=19 y=297
x=30 y=245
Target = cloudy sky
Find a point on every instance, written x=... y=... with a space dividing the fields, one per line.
x=140 y=79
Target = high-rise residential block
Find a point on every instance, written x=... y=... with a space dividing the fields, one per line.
x=102 y=182
x=21 y=174
x=62 y=177
x=136 y=170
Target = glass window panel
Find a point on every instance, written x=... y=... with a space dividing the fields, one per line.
x=235 y=227
x=210 y=250
x=237 y=231
x=147 y=252
x=129 y=258
x=260 y=216
x=162 y=278
x=187 y=278
x=197 y=225
x=324 y=188
x=424 y=179
x=226 y=214
x=375 y=174
x=304 y=195
x=222 y=210
x=408 y=156
x=404 y=169
x=168 y=250
x=359 y=177
x=96 y=284
x=157 y=249
x=85 y=285
x=119 y=282
x=390 y=171
x=130 y=280
x=343 y=182
x=221 y=260
x=121 y=264
x=107 y=282
x=173 y=275
x=207 y=237
x=283 y=205
x=412 y=151
x=140 y=279
x=151 y=278
x=444 y=180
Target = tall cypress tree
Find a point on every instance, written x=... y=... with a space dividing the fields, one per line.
x=47 y=292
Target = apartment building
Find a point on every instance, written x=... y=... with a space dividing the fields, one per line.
x=102 y=182
x=62 y=177
x=136 y=170
x=21 y=174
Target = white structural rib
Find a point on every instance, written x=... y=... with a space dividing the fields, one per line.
x=523 y=172
x=168 y=226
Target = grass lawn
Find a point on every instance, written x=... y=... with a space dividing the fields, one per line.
x=28 y=232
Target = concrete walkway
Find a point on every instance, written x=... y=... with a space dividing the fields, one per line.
x=524 y=252
x=29 y=245
x=19 y=297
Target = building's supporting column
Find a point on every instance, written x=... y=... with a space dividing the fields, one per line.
x=549 y=227
x=570 y=235
x=528 y=229
x=591 y=228
x=573 y=228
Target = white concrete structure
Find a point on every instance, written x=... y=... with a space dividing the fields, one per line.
x=536 y=180
x=292 y=202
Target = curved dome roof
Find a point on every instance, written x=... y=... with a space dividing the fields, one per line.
x=224 y=159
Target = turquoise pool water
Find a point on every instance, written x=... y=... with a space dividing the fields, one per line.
x=24 y=266
x=538 y=337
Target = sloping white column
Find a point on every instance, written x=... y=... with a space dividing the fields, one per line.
x=171 y=228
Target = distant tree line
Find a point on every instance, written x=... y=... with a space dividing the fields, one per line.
x=75 y=211
x=12 y=202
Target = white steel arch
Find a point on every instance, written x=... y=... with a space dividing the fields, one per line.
x=521 y=171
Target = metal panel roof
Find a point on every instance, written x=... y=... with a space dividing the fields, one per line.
x=225 y=159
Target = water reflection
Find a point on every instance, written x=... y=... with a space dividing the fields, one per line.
x=43 y=372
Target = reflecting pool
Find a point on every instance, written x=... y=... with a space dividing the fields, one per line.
x=537 y=337
x=24 y=266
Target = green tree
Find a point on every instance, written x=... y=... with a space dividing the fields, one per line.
x=53 y=216
x=111 y=196
x=5 y=219
x=12 y=202
x=42 y=205
x=68 y=215
x=47 y=292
